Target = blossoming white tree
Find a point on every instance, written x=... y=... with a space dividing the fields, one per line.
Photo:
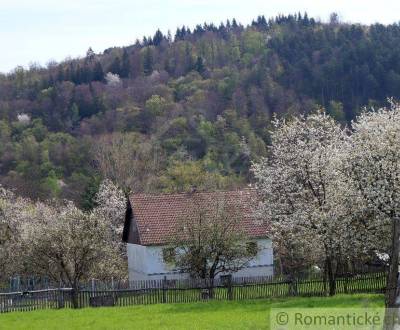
x=112 y=79
x=374 y=166
x=212 y=241
x=70 y=246
x=111 y=203
x=13 y=213
x=305 y=192
x=60 y=241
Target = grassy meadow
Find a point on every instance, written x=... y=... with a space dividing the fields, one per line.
x=247 y=314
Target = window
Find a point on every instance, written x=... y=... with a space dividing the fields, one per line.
x=252 y=248
x=168 y=254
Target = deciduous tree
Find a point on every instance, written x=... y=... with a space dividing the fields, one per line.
x=375 y=169
x=304 y=189
x=211 y=241
x=70 y=246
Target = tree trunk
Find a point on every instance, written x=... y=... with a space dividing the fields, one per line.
x=331 y=276
x=392 y=277
x=292 y=285
x=391 y=284
x=211 y=287
x=74 y=296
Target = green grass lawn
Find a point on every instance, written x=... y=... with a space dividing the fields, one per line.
x=247 y=314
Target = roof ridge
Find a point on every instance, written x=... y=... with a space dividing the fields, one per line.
x=192 y=193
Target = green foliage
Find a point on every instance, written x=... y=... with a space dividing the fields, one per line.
x=156 y=105
x=335 y=109
x=185 y=175
x=204 y=100
x=87 y=198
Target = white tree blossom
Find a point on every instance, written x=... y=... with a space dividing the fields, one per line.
x=13 y=216
x=24 y=118
x=70 y=246
x=374 y=167
x=112 y=79
x=60 y=241
x=111 y=206
x=306 y=198
x=111 y=203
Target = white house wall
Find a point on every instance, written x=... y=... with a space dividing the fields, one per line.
x=146 y=262
x=157 y=268
x=137 y=262
x=262 y=264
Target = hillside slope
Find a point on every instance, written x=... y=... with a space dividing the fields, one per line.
x=194 y=108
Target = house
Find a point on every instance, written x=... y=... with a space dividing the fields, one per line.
x=152 y=219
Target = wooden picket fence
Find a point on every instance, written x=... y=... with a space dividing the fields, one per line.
x=32 y=300
x=181 y=291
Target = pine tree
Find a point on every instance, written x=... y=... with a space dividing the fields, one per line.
x=85 y=74
x=158 y=38
x=169 y=37
x=98 y=74
x=148 y=61
x=306 y=21
x=126 y=65
x=115 y=66
x=90 y=55
x=178 y=34
x=198 y=30
x=189 y=58
x=200 y=68
x=60 y=74
x=76 y=75
x=234 y=24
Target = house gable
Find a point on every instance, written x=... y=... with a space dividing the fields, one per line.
x=130 y=232
x=153 y=219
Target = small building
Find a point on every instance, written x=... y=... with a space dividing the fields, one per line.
x=152 y=219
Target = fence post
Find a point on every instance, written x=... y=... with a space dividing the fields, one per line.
x=60 y=300
x=164 y=290
x=230 y=288
x=293 y=282
x=346 y=280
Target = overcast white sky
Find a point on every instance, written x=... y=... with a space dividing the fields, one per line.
x=43 y=30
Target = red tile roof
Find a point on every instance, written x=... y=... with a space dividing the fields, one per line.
x=158 y=216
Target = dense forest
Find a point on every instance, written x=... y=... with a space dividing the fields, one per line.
x=193 y=108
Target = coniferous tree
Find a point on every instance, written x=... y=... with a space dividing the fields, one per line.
x=90 y=55
x=169 y=37
x=234 y=24
x=148 y=61
x=85 y=74
x=115 y=66
x=60 y=73
x=200 y=68
x=189 y=58
x=179 y=34
x=98 y=74
x=158 y=38
x=126 y=65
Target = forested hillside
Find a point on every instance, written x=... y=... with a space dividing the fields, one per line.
x=187 y=110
